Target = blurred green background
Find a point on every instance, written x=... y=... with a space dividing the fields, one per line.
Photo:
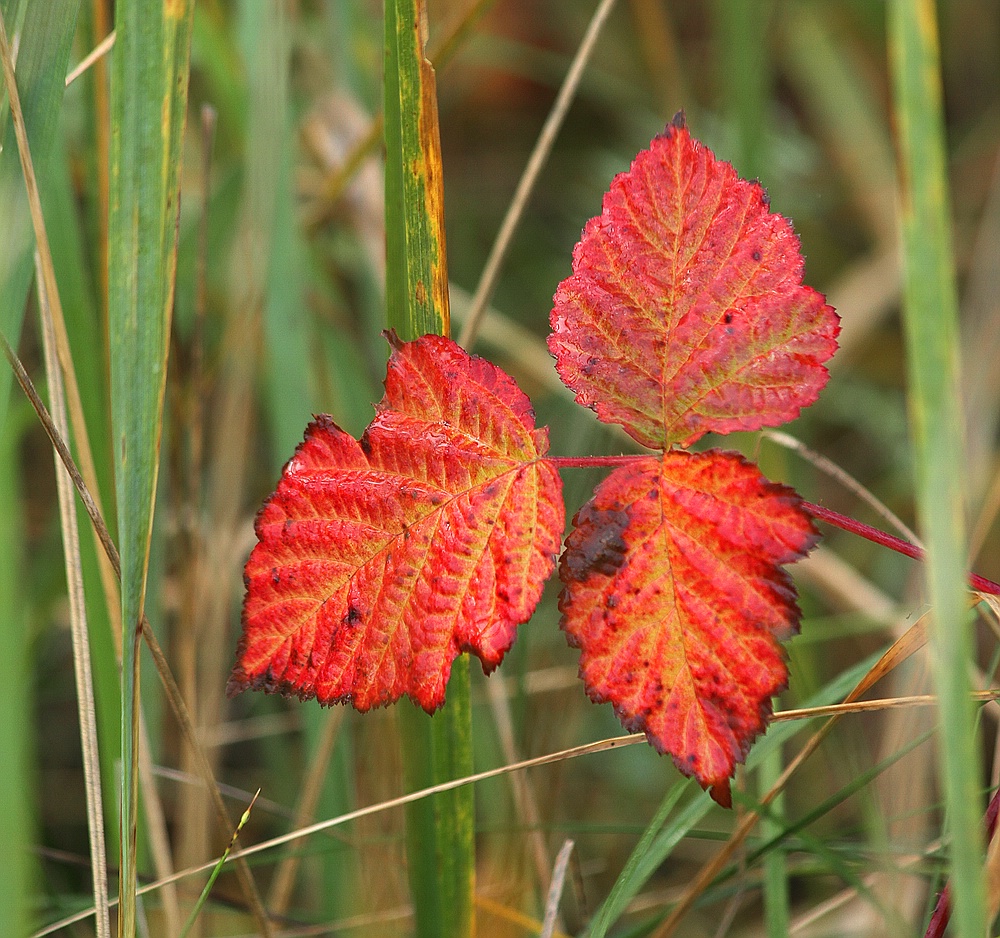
x=279 y=308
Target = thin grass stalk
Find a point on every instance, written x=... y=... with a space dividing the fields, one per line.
x=937 y=424
x=86 y=707
x=203 y=898
x=540 y=153
x=558 y=879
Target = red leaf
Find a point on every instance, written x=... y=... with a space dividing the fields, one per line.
x=379 y=561
x=685 y=312
x=675 y=598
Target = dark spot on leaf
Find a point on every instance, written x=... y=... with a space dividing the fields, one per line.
x=275 y=576
x=365 y=443
x=353 y=616
x=612 y=601
x=756 y=255
x=600 y=548
x=728 y=318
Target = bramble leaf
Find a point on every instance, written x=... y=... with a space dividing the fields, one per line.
x=685 y=312
x=675 y=596
x=382 y=559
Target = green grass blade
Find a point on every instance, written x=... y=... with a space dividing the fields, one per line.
x=214 y=875
x=45 y=39
x=937 y=422
x=743 y=28
x=148 y=100
x=416 y=265
x=777 y=912
x=440 y=830
x=18 y=873
x=656 y=842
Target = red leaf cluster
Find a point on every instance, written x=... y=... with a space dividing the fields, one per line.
x=685 y=313
x=380 y=560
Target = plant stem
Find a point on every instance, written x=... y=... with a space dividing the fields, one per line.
x=587 y=462
x=978 y=583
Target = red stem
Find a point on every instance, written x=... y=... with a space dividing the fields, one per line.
x=585 y=462
x=978 y=583
x=942 y=910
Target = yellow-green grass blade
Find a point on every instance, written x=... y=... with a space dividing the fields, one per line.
x=214 y=875
x=149 y=77
x=417 y=273
x=440 y=830
x=44 y=40
x=937 y=425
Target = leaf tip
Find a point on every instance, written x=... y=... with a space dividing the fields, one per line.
x=722 y=794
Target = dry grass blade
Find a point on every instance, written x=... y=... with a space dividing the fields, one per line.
x=555 y=889
x=539 y=155
x=86 y=708
x=92 y=57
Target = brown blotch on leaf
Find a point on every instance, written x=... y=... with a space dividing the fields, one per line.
x=597 y=547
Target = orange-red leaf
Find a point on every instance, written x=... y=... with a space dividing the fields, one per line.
x=675 y=597
x=685 y=312
x=380 y=560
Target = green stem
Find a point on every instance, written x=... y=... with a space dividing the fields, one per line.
x=937 y=421
x=440 y=830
